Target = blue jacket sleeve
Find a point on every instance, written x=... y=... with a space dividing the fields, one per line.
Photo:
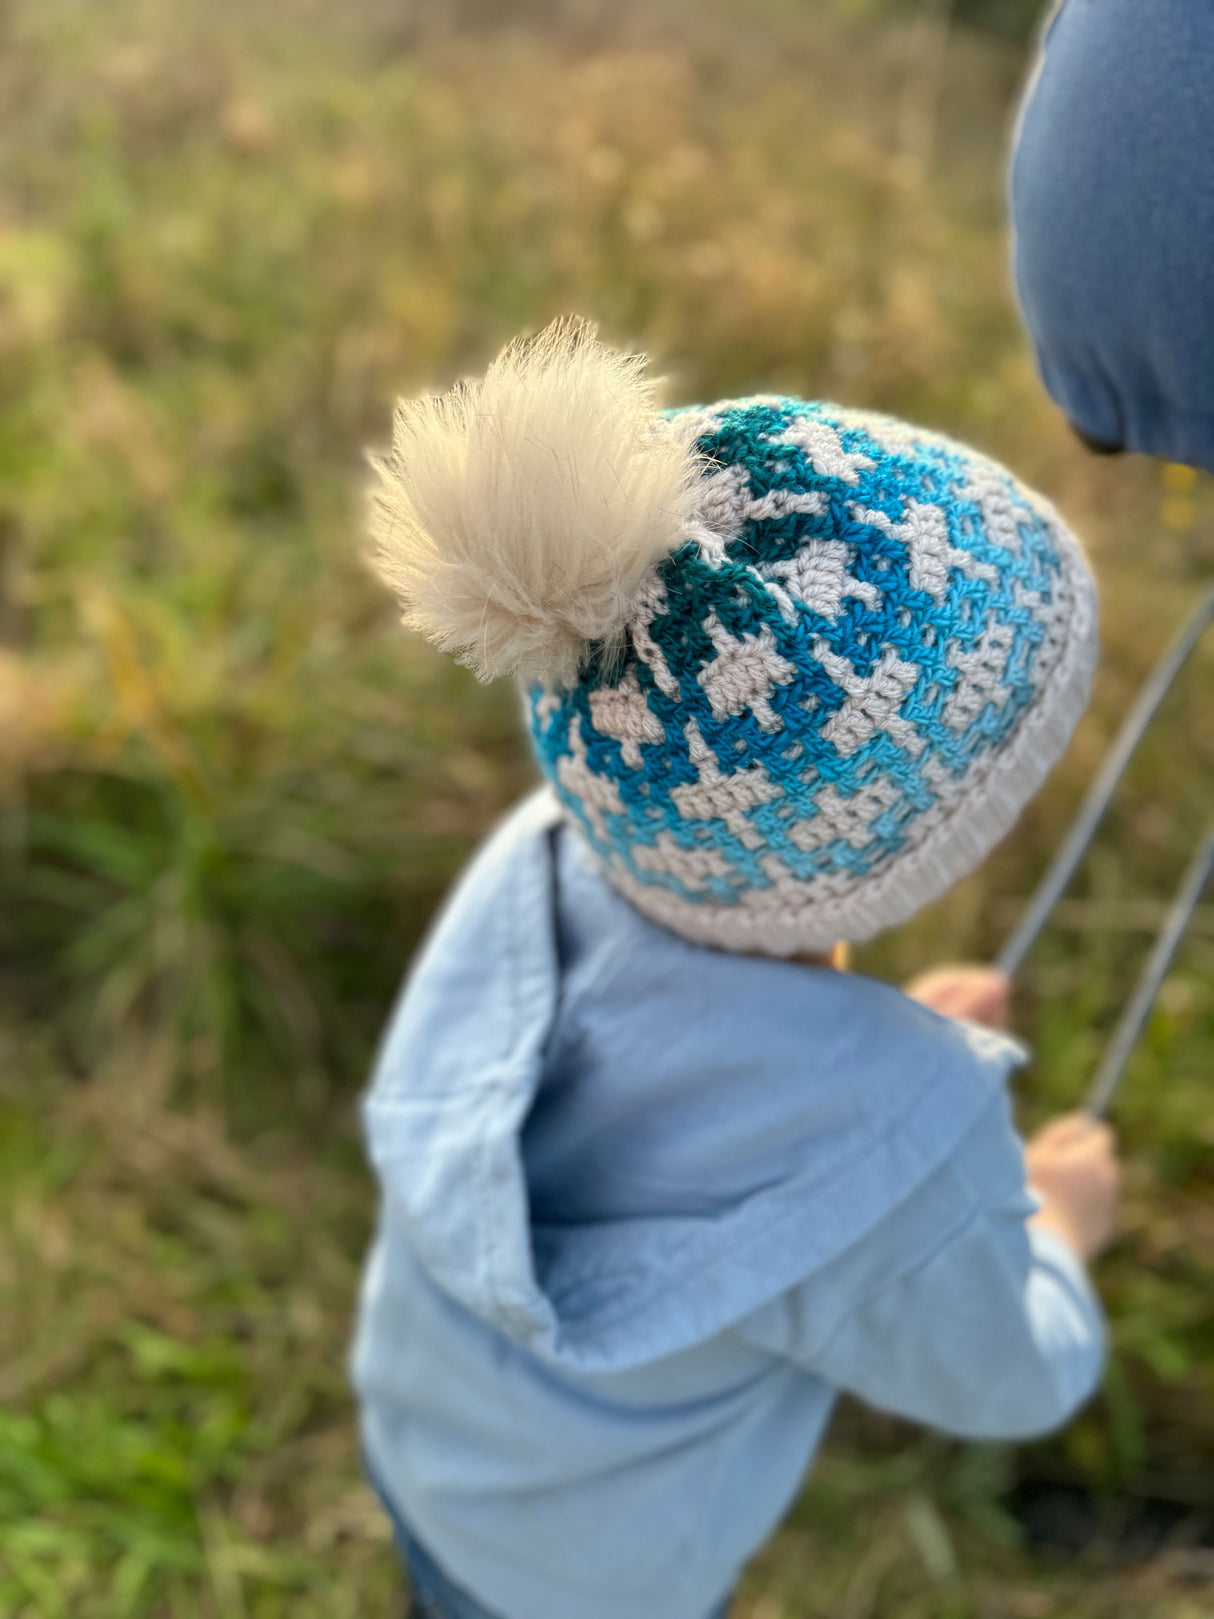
x=952 y=1311
x=1112 y=205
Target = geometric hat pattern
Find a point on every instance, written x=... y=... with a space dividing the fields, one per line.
x=838 y=692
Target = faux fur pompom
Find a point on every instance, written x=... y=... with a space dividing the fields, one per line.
x=517 y=514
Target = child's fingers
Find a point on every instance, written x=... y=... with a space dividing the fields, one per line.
x=1066 y=1127
x=982 y=994
x=1084 y=1127
x=1074 y=1133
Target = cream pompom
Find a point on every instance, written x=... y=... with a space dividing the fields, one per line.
x=517 y=514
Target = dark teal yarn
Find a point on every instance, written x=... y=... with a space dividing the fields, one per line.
x=839 y=681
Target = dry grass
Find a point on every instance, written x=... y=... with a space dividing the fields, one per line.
x=230 y=793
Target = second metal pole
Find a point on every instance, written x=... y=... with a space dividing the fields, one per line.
x=1138 y=1008
x=1094 y=805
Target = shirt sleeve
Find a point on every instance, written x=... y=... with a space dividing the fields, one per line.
x=952 y=1311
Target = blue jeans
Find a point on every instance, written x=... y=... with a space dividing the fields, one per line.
x=434 y=1595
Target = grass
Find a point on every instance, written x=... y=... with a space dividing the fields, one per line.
x=231 y=792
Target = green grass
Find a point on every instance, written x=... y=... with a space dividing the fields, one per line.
x=231 y=792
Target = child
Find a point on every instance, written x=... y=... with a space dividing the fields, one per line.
x=658 y=1182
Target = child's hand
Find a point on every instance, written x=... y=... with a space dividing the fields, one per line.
x=1072 y=1164
x=982 y=994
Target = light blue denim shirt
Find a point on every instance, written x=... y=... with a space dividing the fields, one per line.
x=647 y=1208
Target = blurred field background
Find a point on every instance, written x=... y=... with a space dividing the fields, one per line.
x=231 y=792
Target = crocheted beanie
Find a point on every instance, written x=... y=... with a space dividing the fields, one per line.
x=791 y=669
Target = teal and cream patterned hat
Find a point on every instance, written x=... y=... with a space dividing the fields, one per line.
x=791 y=669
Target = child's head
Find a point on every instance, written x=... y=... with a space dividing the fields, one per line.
x=792 y=669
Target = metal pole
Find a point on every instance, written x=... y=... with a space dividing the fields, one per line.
x=1094 y=805
x=1138 y=1009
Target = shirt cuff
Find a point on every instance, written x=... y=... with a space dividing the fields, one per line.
x=1057 y=1255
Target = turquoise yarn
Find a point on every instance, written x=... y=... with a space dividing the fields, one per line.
x=852 y=673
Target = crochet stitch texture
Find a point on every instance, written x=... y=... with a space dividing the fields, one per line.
x=839 y=690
